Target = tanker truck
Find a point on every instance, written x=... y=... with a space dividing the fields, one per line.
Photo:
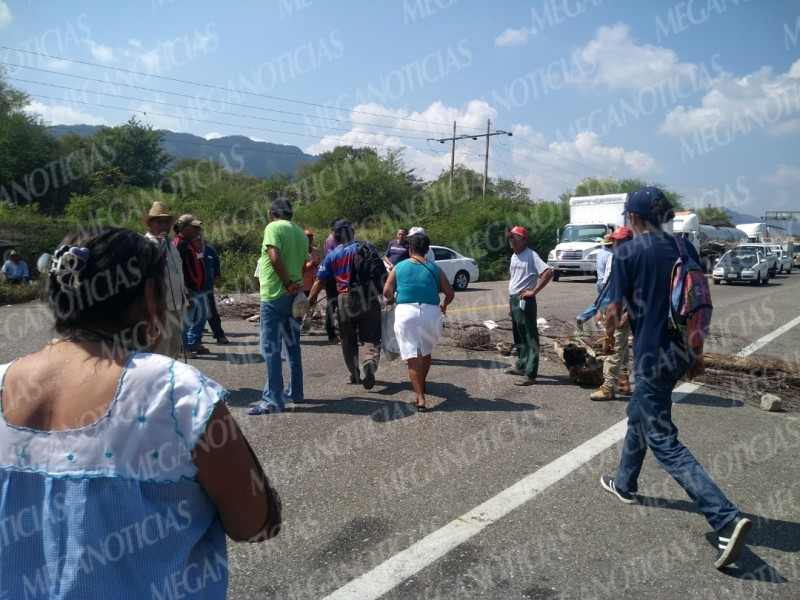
x=590 y=218
x=711 y=242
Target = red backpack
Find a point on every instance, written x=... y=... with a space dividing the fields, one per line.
x=690 y=305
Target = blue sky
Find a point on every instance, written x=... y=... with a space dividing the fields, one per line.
x=701 y=95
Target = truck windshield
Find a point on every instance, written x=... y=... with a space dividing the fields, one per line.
x=584 y=233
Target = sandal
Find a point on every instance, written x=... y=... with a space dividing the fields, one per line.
x=526 y=381
x=422 y=408
x=513 y=371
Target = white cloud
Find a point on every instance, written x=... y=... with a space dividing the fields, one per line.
x=546 y=168
x=5 y=14
x=735 y=106
x=151 y=61
x=62 y=115
x=513 y=37
x=102 y=54
x=614 y=59
x=213 y=135
x=784 y=176
x=56 y=64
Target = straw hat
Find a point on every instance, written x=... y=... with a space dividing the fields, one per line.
x=159 y=209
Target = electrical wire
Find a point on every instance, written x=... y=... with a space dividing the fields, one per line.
x=209 y=86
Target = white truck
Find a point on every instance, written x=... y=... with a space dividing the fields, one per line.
x=590 y=218
x=711 y=242
x=756 y=232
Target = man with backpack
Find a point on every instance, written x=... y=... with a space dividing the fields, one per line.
x=360 y=274
x=641 y=278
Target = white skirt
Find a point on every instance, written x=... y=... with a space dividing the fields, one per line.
x=417 y=327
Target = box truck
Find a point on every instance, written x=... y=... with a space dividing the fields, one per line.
x=590 y=219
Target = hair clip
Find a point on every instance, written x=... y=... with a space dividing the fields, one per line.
x=67 y=263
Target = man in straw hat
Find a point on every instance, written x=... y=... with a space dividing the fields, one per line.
x=158 y=222
x=15 y=269
x=603 y=257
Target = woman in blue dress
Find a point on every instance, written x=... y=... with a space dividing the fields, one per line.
x=121 y=470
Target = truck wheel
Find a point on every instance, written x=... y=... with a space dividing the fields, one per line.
x=556 y=275
x=757 y=280
x=716 y=282
x=766 y=279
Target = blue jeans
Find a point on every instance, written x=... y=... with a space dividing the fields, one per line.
x=650 y=425
x=194 y=321
x=280 y=329
x=591 y=310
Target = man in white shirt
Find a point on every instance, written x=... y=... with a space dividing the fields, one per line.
x=158 y=222
x=529 y=274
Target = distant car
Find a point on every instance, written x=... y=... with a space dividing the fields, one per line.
x=784 y=259
x=796 y=255
x=459 y=269
x=772 y=259
x=741 y=264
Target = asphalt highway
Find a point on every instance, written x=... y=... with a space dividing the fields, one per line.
x=495 y=493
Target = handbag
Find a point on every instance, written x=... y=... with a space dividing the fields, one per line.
x=391 y=347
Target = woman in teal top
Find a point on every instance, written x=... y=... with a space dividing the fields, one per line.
x=418 y=316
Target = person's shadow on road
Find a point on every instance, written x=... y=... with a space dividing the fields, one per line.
x=769 y=533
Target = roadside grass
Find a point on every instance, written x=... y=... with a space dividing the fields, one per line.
x=18 y=294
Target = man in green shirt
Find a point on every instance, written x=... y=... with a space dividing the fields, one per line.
x=283 y=254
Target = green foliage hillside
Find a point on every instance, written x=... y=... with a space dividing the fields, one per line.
x=111 y=177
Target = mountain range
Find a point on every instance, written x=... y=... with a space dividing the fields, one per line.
x=236 y=153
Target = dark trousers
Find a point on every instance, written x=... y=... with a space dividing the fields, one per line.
x=331 y=296
x=526 y=335
x=360 y=323
x=214 y=320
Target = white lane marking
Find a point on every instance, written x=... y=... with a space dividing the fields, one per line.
x=396 y=569
x=413 y=559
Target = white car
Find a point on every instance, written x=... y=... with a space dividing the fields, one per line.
x=741 y=264
x=772 y=259
x=459 y=269
x=784 y=259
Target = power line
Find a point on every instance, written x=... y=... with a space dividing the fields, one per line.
x=344 y=141
x=209 y=86
x=190 y=97
x=219 y=112
x=562 y=156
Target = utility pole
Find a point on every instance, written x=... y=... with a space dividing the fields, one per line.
x=452 y=157
x=486 y=164
x=455 y=137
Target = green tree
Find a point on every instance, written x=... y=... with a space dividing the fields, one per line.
x=355 y=182
x=28 y=153
x=712 y=215
x=133 y=154
x=591 y=186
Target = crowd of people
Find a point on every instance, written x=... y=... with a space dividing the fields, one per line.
x=148 y=439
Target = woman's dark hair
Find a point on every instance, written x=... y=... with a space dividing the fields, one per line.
x=98 y=285
x=420 y=243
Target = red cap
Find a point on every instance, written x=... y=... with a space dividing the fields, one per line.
x=309 y=233
x=622 y=233
x=519 y=230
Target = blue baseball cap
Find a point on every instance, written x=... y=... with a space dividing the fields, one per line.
x=648 y=201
